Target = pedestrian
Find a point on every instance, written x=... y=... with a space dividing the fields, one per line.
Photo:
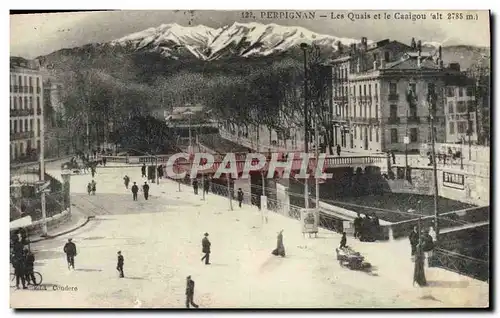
x=143 y=170
x=419 y=271
x=92 y=169
x=119 y=265
x=240 y=196
x=414 y=238
x=160 y=171
x=17 y=260
x=393 y=155
x=205 y=244
x=190 y=292
x=29 y=261
x=206 y=185
x=280 y=248
x=135 y=189
x=70 y=251
x=357 y=226
x=104 y=161
x=338 y=150
x=126 y=180
x=195 y=186
x=93 y=187
x=145 y=190
x=343 y=241
x=89 y=188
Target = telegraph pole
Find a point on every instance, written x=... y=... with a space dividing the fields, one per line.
x=432 y=111
x=316 y=132
x=304 y=47
x=42 y=172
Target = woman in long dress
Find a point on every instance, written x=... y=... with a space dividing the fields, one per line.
x=419 y=272
x=280 y=248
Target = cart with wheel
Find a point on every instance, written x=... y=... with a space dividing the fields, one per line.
x=351 y=259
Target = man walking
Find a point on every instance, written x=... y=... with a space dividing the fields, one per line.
x=70 y=251
x=29 y=261
x=338 y=150
x=240 y=197
x=143 y=170
x=145 y=189
x=205 y=243
x=414 y=240
x=119 y=265
x=126 y=180
x=206 y=185
x=190 y=292
x=357 y=226
x=195 y=186
x=17 y=260
x=135 y=189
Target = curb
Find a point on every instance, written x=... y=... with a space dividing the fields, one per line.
x=49 y=237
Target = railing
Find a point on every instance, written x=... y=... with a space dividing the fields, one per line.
x=21 y=112
x=250 y=143
x=393 y=120
x=414 y=120
x=462 y=264
x=393 y=97
x=22 y=135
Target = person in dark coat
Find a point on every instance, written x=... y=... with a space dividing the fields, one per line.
x=89 y=188
x=92 y=170
x=393 y=156
x=338 y=150
x=119 y=264
x=17 y=260
x=280 y=248
x=240 y=196
x=145 y=189
x=126 y=180
x=70 y=251
x=195 y=186
x=190 y=292
x=419 y=271
x=29 y=261
x=343 y=241
x=93 y=187
x=357 y=226
x=414 y=240
x=205 y=244
x=365 y=229
x=143 y=170
x=206 y=185
x=104 y=161
x=135 y=189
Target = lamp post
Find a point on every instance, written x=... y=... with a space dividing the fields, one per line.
x=431 y=100
x=305 y=48
x=190 y=113
x=462 y=140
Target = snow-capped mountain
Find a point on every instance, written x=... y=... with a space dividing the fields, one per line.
x=238 y=39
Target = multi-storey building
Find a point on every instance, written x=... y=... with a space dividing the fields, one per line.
x=386 y=105
x=26 y=109
x=460 y=109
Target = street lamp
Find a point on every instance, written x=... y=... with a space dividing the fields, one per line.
x=190 y=113
x=431 y=101
x=305 y=48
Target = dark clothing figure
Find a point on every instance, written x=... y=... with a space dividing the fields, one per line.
x=338 y=150
x=145 y=189
x=143 y=170
x=160 y=171
x=205 y=244
x=357 y=226
x=413 y=241
x=343 y=241
x=119 y=265
x=104 y=161
x=280 y=248
x=206 y=185
x=89 y=188
x=195 y=186
x=240 y=197
x=126 y=180
x=92 y=170
x=419 y=271
x=393 y=155
x=135 y=189
x=190 y=293
x=19 y=271
x=29 y=261
x=70 y=250
x=366 y=225
x=427 y=242
x=93 y=187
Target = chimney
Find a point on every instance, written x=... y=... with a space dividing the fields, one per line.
x=419 y=46
x=340 y=47
x=413 y=44
x=440 y=53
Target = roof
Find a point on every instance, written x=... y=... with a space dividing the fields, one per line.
x=412 y=64
x=184 y=109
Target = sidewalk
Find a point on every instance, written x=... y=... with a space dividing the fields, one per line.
x=77 y=220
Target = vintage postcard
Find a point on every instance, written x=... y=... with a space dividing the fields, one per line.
x=250 y=159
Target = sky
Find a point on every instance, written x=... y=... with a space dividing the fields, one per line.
x=32 y=35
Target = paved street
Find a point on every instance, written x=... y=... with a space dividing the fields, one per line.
x=161 y=242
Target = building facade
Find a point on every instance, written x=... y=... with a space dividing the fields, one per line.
x=385 y=106
x=460 y=110
x=26 y=110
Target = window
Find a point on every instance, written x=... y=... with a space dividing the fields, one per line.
x=21 y=125
x=20 y=103
x=413 y=112
x=394 y=111
x=37 y=82
x=470 y=91
x=394 y=135
x=462 y=127
x=26 y=102
x=460 y=92
x=26 y=127
x=364 y=89
x=370 y=90
x=31 y=125
x=376 y=110
x=413 y=134
x=393 y=88
x=38 y=103
x=355 y=132
x=354 y=90
x=450 y=91
x=470 y=106
x=376 y=89
x=20 y=81
x=413 y=88
x=461 y=107
x=376 y=134
x=11 y=127
x=452 y=128
x=431 y=88
x=387 y=56
x=371 y=133
x=38 y=127
x=451 y=108
x=360 y=91
x=15 y=103
x=15 y=126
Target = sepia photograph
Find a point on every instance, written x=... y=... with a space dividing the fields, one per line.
x=250 y=159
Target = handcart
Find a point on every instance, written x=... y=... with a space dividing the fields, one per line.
x=351 y=259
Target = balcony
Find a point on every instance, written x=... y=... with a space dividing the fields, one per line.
x=16 y=88
x=22 y=135
x=21 y=112
x=393 y=120
x=393 y=97
x=413 y=120
x=338 y=118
